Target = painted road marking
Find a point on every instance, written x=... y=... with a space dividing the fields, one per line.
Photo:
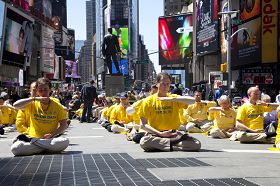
x=251 y=151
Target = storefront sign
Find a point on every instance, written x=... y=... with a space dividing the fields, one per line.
x=257 y=76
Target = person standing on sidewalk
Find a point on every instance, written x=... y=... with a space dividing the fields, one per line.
x=110 y=50
x=47 y=120
x=88 y=94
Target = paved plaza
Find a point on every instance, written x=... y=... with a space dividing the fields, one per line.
x=97 y=157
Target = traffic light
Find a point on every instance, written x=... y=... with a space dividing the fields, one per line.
x=223 y=67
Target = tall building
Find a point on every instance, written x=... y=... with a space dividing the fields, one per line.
x=86 y=64
x=90 y=19
x=172 y=7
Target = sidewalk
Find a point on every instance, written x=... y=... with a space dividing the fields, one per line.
x=96 y=157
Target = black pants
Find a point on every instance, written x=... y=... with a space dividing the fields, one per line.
x=87 y=111
x=108 y=60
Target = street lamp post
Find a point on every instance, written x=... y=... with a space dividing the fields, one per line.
x=229 y=50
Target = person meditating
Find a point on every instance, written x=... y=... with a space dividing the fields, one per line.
x=47 y=120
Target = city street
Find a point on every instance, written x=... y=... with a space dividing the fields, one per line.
x=96 y=157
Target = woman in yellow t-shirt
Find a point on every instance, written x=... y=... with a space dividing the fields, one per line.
x=159 y=116
x=224 y=118
x=47 y=120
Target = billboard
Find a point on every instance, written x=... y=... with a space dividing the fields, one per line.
x=122 y=34
x=2 y=18
x=257 y=76
x=249 y=9
x=71 y=44
x=246 y=45
x=18 y=39
x=47 y=50
x=59 y=8
x=207 y=25
x=175 y=39
x=123 y=64
x=71 y=69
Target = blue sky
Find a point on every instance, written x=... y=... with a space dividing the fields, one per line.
x=149 y=12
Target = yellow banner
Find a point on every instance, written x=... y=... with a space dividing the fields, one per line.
x=269 y=31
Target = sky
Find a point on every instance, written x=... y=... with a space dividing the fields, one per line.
x=149 y=11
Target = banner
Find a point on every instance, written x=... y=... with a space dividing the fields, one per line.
x=47 y=50
x=207 y=25
x=269 y=31
x=246 y=45
x=257 y=76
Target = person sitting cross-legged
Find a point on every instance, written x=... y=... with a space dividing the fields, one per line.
x=224 y=118
x=196 y=114
x=47 y=120
x=7 y=117
x=250 y=119
x=121 y=122
x=159 y=115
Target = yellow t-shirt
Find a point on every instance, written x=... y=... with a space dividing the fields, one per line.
x=198 y=111
x=161 y=115
x=225 y=120
x=7 y=116
x=252 y=115
x=104 y=111
x=79 y=112
x=44 y=121
x=277 y=140
x=119 y=114
x=109 y=111
x=22 y=122
x=136 y=106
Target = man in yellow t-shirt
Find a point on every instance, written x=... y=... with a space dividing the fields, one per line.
x=47 y=120
x=196 y=114
x=159 y=116
x=224 y=118
x=250 y=119
x=119 y=119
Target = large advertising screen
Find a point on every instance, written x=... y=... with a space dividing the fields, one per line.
x=71 y=69
x=246 y=45
x=223 y=41
x=123 y=64
x=122 y=34
x=207 y=25
x=18 y=39
x=2 y=16
x=249 y=9
x=175 y=39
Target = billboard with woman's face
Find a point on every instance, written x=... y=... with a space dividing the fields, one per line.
x=18 y=38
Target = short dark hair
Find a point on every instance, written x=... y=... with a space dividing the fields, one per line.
x=44 y=81
x=197 y=91
x=162 y=75
x=110 y=30
x=2 y=98
x=92 y=81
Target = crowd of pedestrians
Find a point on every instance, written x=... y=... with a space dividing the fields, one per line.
x=161 y=120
